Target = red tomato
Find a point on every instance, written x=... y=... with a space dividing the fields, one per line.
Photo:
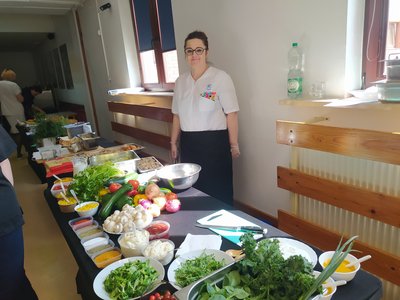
x=135 y=184
x=167 y=294
x=114 y=187
x=132 y=193
x=171 y=196
x=152 y=297
x=57 y=187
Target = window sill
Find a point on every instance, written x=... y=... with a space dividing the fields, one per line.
x=138 y=91
x=341 y=103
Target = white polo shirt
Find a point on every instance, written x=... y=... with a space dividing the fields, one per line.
x=8 y=97
x=203 y=104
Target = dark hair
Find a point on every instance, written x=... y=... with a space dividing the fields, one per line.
x=37 y=88
x=197 y=35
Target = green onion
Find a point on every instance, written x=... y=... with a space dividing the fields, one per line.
x=337 y=258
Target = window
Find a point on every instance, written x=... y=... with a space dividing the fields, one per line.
x=155 y=41
x=381 y=38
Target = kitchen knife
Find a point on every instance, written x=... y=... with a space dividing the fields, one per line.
x=256 y=229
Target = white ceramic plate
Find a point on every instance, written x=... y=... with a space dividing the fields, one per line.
x=98 y=286
x=290 y=247
x=218 y=254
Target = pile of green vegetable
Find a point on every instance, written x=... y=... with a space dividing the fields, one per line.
x=88 y=182
x=196 y=268
x=265 y=275
x=130 y=280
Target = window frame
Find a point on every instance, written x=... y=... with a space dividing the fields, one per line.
x=374 y=42
x=162 y=85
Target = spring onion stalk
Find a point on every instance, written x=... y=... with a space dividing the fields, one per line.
x=337 y=258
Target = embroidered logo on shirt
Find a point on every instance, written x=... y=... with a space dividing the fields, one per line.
x=209 y=93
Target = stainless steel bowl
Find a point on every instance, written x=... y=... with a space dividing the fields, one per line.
x=179 y=176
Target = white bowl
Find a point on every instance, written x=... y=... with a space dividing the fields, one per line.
x=80 y=209
x=157 y=249
x=56 y=189
x=340 y=275
x=329 y=281
x=133 y=243
x=98 y=285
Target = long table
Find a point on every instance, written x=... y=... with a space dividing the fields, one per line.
x=195 y=205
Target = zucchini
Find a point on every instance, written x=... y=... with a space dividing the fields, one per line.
x=121 y=179
x=106 y=209
x=122 y=201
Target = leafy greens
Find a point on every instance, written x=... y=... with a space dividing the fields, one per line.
x=263 y=275
x=196 y=268
x=130 y=280
x=88 y=182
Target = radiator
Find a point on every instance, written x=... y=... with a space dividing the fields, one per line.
x=375 y=176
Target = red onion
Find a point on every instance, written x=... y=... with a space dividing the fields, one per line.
x=173 y=205
x=145 y=203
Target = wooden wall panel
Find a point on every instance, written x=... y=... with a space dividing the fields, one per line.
x=382 y=264
x=367 y=144
x=378 y=206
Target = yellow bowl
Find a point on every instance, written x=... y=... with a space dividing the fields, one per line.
x=87 y=209
x=67 y=207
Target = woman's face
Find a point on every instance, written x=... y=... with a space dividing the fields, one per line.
x=192 y=53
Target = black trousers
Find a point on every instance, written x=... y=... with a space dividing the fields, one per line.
x=211 y=150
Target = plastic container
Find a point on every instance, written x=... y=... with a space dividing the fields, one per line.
x=133 y=243
x=158 y=230
x=91 y=242
x=80 y=222
x=91 y=231
x=389 y=92
x=295 y=75
x=161 y=250
x=92 y=252
x=106 y=257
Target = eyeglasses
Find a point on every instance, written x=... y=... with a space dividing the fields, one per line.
x=198 y=51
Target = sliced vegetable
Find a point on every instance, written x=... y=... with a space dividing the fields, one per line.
x=106 y=209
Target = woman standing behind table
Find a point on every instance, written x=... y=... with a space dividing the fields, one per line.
x=11 y=104
x=205 y=109
x=14 y=285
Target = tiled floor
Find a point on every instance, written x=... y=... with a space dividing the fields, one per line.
x=49 y=263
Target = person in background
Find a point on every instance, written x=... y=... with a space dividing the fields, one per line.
x=205 y=120
x=11 y=104
x=14 y=283
x=29 y=94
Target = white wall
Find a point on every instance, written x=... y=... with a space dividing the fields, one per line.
x=250 y=40
x=23 y=65
x=114 y=67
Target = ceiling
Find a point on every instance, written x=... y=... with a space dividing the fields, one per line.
x=25 y=41
x=40 y=7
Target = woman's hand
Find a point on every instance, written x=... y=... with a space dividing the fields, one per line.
x=174 y=151
x=235 y=151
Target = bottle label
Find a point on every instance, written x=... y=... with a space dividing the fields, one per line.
x=295 y=86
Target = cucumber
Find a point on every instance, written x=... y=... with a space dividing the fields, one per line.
x=122 y=201
x=121 y=179
x=106 y=209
